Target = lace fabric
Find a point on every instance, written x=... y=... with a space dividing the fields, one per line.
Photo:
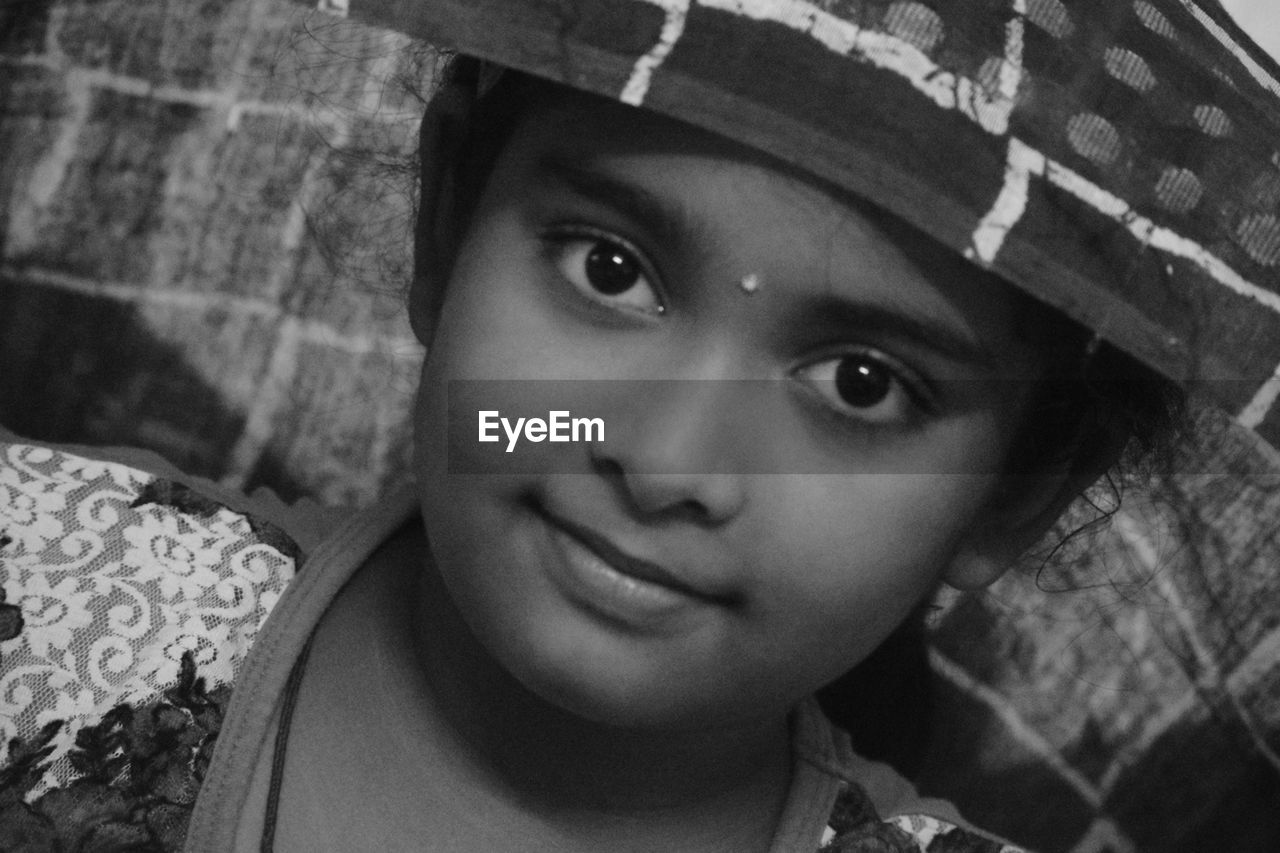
x=111 y=577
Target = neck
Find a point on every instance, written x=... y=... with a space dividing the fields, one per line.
x=558 y=763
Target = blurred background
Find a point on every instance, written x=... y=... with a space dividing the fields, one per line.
x=204 y=231
x=1260 y=19
x=205 y=215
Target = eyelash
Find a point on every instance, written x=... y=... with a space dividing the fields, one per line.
x=560 y=247
x=913 y=398
x=562 y=242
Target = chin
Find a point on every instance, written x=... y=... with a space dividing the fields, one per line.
x=605 y=678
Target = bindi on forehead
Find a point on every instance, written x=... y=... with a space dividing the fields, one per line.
x=738 y=223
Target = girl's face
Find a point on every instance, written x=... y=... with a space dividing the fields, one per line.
x=695 y=568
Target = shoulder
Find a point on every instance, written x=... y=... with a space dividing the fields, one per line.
x=129 y=596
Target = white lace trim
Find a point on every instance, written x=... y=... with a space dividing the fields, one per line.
x=112 y=596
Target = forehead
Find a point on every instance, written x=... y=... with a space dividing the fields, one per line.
x=592 y=127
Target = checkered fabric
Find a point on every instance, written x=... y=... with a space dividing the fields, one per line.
x=1119 y=160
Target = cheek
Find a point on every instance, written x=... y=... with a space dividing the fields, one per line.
x=489 y=335
x=849 y=557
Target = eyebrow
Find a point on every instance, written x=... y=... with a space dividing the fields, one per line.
x=675 y=226
x=838 y=312
x=670 y=224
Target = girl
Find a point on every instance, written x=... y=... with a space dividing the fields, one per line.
x=817 y=403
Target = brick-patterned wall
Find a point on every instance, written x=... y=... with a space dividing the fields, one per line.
x=202 y=236
x=177 y=181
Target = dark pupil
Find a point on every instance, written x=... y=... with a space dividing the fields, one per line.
x=862 y=382
x=611 y=270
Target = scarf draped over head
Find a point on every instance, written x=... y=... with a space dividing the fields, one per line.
x=1118 y=160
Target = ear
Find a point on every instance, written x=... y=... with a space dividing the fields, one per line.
x=1023 y=509
x=1007 y=530
x=437 y=236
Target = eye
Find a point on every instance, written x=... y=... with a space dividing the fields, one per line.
x=865 y=385
x=606 y=270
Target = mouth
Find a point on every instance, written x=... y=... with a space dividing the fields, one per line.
x=594 y=572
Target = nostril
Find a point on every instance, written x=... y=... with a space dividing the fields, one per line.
x=661 y=469
x=647 y=495
x=607 y=467
x=693 y=510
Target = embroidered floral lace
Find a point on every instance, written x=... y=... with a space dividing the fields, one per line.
x=127 y=604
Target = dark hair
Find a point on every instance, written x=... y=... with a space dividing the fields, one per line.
x=1093 y=401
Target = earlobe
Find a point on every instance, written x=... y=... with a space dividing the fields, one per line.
x=440 y=142
x=971 y=569
x=1016 y=517
x=1023 y=511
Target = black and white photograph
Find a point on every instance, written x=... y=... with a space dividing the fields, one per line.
x=630 y=426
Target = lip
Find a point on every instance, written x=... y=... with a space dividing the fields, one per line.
x=593 y=572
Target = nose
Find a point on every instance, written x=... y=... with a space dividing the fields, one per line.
x=673 y=448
